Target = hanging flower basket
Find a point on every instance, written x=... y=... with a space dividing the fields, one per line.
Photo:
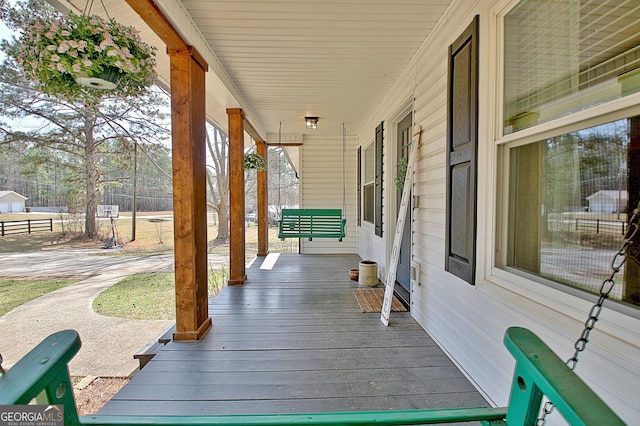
x=107 y=79
x=401 y=175
x=255 y=161
x=79 y=56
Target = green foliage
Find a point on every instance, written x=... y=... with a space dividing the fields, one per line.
x=150 y=296
x=60 y=53
x=401 y=175
x=79 y=145
x=255 y=161
x=15 y=292
x=139 y=296
x=218 y=278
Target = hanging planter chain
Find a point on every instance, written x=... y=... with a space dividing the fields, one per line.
x=619 y=259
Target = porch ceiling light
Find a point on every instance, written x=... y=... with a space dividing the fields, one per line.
x=312 y=122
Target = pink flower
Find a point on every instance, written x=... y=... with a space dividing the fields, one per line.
x=49 y=35
x=61 y=67
x=63 y=47
x=52 y=47
x=86 y=62
x=65 y=33
x=55 y=57
x=105 y=43
x=82 y=44
x=76 y=67
x=118 y=64
x=73 y=53
x=112 y=52
x=73 y=44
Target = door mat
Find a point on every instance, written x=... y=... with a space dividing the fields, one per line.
x=370 y=300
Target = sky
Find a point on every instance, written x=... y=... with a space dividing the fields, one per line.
x=5 y=33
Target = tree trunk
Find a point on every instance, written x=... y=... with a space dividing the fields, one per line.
x=220 y=191
x=91 y=173
x=223 y=221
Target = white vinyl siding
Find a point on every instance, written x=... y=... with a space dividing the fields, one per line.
x=469 y=322
x=321 y=187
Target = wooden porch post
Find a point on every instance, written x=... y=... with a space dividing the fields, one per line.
x=263 y=204
x=237 y=271
x=189 y=193
x=188 y=131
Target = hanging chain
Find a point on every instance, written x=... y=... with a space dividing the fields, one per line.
x=618 y=261
x=344 y=188
x=89 y=5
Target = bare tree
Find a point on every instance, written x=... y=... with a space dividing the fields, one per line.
x=283 y=181
x=218 y=179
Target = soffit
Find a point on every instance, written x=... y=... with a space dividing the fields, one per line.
x=281 y=60
x=331 y=59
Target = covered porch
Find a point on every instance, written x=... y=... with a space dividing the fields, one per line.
x=292 y=339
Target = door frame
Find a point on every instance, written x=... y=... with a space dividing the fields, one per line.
x=391 y=192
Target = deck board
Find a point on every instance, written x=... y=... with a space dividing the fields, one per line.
x=292 y=339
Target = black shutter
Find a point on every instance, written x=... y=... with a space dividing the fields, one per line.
x=462 y=143
x=359 y=186
x=378 y=181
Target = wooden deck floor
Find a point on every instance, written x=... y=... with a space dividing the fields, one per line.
x=292 y=339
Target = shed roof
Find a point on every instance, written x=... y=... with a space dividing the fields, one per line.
x=6 y=193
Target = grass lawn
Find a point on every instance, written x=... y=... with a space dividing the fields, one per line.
x=15 y=292
x=149 y=296
x=139 y=296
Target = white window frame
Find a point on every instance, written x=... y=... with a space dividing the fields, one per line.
x=366 y=183
x=493 y=275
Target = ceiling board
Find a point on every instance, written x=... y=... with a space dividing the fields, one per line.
x=286 y=59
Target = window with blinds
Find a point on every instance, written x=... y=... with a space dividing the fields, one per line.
x=562 y=56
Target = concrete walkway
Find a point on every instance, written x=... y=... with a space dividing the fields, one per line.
x=108 y=344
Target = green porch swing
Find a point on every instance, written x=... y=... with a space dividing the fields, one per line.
x=43 y=374
x=316 y=223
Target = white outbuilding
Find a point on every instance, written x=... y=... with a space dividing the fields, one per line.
x=608 y=201
x=12 y=202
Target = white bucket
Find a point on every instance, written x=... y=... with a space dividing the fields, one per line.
x=368 y=273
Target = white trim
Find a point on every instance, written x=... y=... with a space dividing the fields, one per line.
x=616 y=109
x=492 y=204
x=392 y=194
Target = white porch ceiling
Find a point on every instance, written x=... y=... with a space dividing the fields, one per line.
x=281 y=60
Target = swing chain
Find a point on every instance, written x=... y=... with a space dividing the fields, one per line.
x=605 y=289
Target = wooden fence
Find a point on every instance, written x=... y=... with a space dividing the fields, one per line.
x=601 y=226
x=28 y=226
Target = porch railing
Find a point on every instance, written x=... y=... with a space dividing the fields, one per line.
x=43 y=374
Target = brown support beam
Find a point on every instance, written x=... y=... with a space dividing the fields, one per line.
x=237 y=271
x=159 y=23
x=188 y=70
x=263 y=205
x=189 y=194
x=251 y=131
